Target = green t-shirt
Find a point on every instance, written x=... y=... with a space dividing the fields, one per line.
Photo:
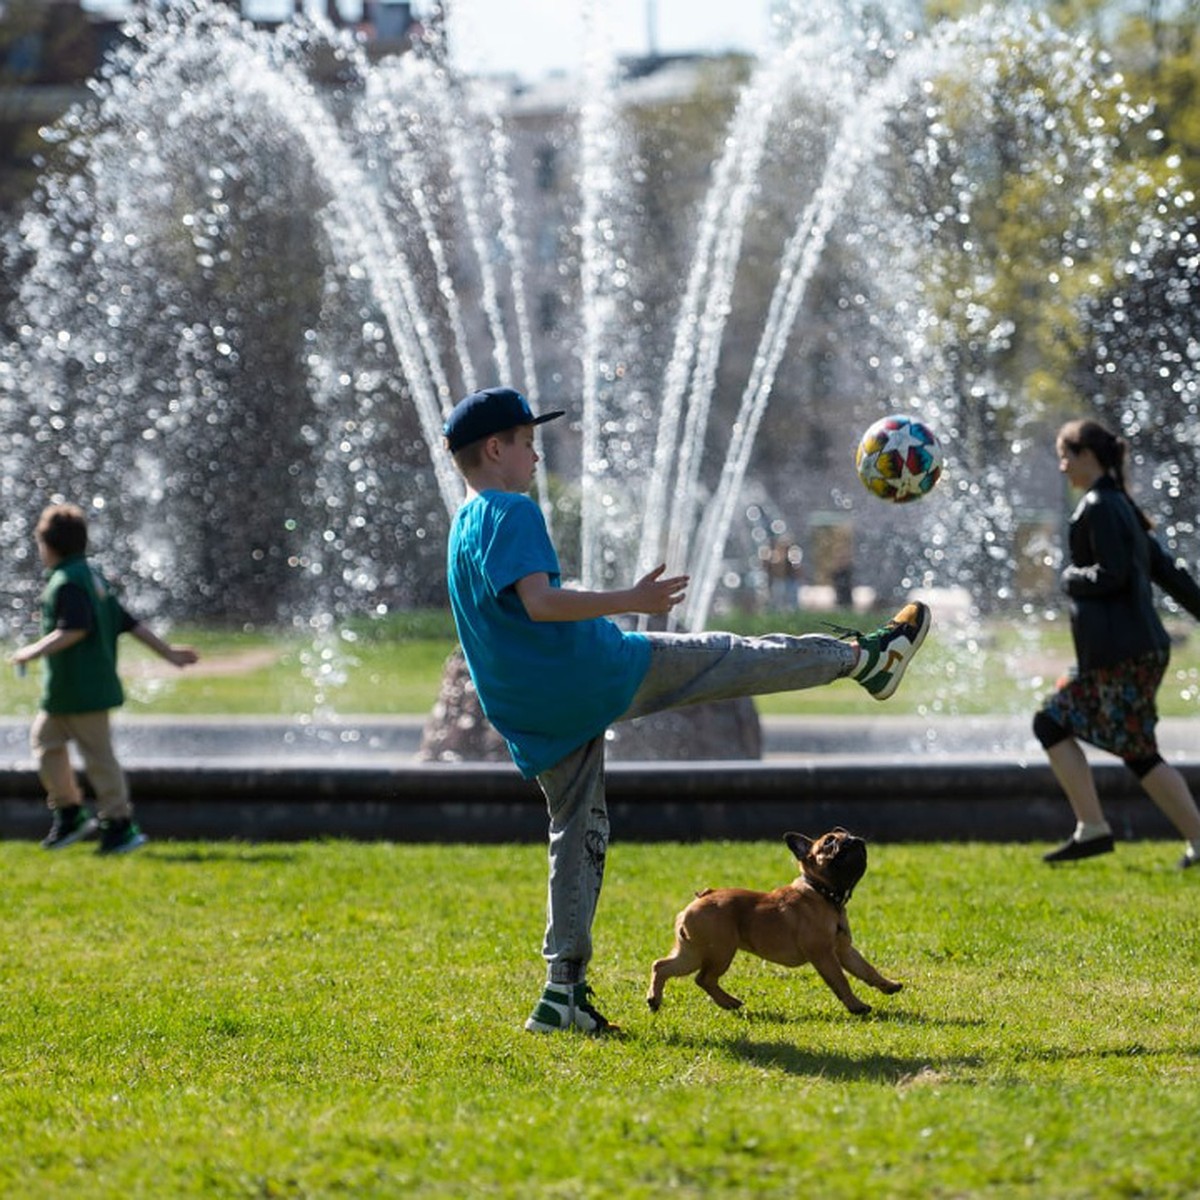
x=83 y=678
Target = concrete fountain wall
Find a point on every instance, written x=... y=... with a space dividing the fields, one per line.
x=890 y=779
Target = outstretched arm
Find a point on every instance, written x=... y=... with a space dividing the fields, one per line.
x=1174 y=578
x=54 y=642
x=651 y=594
x=180 y=656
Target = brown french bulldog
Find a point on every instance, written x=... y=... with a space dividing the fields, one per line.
x=804 y=921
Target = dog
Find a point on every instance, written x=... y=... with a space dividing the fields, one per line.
x=804 y=921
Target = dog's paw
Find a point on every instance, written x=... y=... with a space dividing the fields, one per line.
x=892 y=988
x=653 y=1003
x=860 y=1009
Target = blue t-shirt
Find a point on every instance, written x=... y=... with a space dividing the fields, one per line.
x=547 y=686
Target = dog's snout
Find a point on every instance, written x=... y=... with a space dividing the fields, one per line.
x=851 y=852
x=842 y=840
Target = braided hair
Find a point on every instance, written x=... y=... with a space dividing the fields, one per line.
x=1110 y=450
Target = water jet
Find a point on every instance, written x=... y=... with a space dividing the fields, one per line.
x=262 y=268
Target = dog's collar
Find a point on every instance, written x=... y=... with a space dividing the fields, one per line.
x=836 y=898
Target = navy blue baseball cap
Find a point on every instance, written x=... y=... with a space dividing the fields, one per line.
x=492 y=410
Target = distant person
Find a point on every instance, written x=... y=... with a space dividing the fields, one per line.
x=81 y=621
x=552 y=672
x=783 y=574
x=841 y=575
x=1121 y=647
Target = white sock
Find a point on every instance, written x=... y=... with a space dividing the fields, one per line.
x=1085 y=831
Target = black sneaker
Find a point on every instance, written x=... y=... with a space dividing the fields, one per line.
x=120 y=837
x=1072 y=851
x=68 y=826
x=586 y=1016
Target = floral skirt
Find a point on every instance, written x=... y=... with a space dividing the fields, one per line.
x=1113 y=708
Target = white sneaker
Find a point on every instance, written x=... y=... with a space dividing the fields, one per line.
x=566 y=1005
x=888 y=651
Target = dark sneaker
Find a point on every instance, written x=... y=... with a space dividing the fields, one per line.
x=566 y=1006
x=1071 y=850
x=585 y=1015
x=68 y=826
x=888 y=651
x=120 y=837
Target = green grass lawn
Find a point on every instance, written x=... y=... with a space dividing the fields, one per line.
x=1001 y=665
x=338 y=1020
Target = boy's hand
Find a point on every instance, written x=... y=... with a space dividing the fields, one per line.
x=653 y=594
x=181 y=656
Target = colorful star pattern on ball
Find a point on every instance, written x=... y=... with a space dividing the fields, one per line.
x=899 y=459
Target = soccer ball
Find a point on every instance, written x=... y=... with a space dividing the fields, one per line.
x=898 y=459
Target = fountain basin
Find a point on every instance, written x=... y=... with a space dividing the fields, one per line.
x=990 y=783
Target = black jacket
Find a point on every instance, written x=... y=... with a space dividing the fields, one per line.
x=1114 y=561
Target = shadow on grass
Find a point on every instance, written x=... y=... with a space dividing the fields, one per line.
x=1136 y=1050
x=837 y=1016
x=869 y=1068
x=839 y=1065
x=214 y=854
x=773 y=1053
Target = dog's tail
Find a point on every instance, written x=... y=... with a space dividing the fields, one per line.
x=680 y=927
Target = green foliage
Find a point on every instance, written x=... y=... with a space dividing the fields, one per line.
x=320 y=1020
x=1049 y=209
x=1062 y=201
x=1160 y=54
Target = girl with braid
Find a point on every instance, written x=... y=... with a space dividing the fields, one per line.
x=1121 y=647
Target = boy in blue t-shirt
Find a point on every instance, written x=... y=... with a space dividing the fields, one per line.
x=553 y=672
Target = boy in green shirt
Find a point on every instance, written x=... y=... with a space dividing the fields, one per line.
x=81 y=621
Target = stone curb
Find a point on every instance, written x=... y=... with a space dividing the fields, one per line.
x=914 y=799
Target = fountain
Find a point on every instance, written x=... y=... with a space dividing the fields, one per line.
x=262 y=268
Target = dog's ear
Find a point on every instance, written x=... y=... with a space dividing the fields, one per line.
x=799 y=844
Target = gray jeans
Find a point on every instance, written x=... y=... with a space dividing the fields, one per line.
x=684 y=669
